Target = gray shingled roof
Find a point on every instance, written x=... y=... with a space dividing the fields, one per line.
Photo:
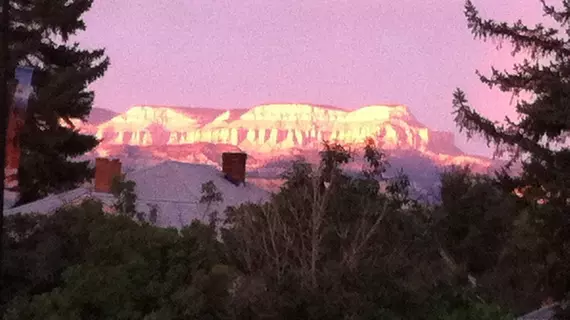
x=173 y=187
x=546 y=313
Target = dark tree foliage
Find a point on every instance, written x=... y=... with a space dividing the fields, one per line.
x=210 y=196
x=477 y=219
x=40 y=35
x=343 y=249
x=333 y=156
x=482 y=228
x=81 y=263
x=375 y=158
x=537 y=138
x=125 y=196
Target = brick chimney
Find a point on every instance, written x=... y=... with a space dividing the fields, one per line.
x=105 y=171
x=233 y=166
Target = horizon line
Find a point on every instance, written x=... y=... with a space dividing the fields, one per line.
x=262 y=104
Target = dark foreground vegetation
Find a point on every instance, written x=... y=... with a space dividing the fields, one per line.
x=327 y=246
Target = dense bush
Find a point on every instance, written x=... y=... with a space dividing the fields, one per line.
x=82 y=264
x=327 y=246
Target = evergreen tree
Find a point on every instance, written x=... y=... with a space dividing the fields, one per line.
x=40 y=34
x=537 y=138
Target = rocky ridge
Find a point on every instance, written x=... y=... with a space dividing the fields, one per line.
x=274 y=135
x=273 y=130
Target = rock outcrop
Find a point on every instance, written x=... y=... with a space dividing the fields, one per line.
x=278 y=129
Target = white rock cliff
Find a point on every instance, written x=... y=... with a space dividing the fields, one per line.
x=279 y=128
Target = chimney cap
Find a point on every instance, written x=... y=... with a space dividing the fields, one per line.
x=235 y=153
x=108 y=159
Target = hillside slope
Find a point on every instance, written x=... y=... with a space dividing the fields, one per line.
x=273 y=135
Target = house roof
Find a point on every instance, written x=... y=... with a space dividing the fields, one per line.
x=545 y=313
x=53 y=202
x=174 y=188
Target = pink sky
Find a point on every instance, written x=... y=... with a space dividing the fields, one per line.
x=350 y=53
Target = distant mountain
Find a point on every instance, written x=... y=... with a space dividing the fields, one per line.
x=100 y=115
x=273 y=135
x=95 y=118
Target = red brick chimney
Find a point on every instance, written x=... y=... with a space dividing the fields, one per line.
x=105 y=171
x=233 y=166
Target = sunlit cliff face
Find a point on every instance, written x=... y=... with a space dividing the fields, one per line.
x=279 y=128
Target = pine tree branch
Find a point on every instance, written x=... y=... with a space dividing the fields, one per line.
x=470 y=122
x=546 y=114
x=560 y=16
x=538 y=41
